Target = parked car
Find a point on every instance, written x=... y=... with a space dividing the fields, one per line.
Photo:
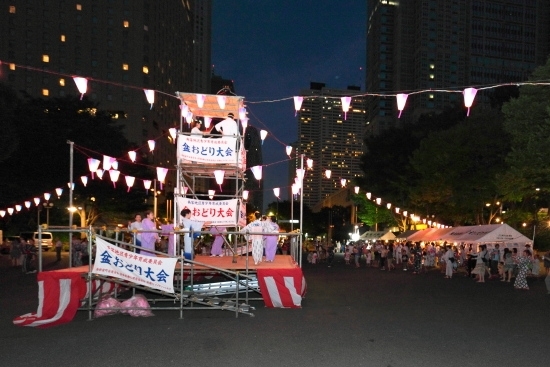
x=47 y=239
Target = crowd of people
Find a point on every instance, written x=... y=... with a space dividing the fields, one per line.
x=486 y=261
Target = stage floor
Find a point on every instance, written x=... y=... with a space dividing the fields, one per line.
x=242 y=262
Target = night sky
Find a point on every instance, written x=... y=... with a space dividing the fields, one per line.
x=274 y=49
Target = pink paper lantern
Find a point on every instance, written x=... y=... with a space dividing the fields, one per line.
x=263 y=134
x=151 y=144
x=207 y=122
x=300 y=173
x=401 y=101
x=184 y=109
x=107 y=161
x=245 y=195
x=84 y=180
x=99 y=174
x=150 y=95
x=211 y=194
x=328 y=173
x=297 y=104
x=469 y=96
x=309 y=163
x=59 y=191
x=244 y=123
x=173 y=133
x=129 y=181
x=218 y=174
x=343 y=182
x=185 y=188
x=113 y=173
x=27 y=204
x=132 y=154
x=242 y=113
x=356 y=188
x=10 y=211
x=93 y=165
x=147 y=185
x=276 y=191
x=161 y=175
x=18 y=208
x=2 y=213
x=221 y=101
x=288 y=150
x=200 y=100
x=346 y=102
x=369 y=195
x=257 y=171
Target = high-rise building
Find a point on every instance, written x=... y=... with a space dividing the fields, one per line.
x=418 y=45
x=122 y=47
x=332 y=139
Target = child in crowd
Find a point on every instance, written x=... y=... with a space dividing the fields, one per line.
x=347 y=255
x=369 y=257
x=404 y=259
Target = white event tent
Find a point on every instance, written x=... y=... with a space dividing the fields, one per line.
x=377 y=235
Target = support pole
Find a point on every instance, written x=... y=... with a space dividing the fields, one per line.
x=71 y=160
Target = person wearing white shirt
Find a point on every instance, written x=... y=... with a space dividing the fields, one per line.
x=228 y=126
x=449 y=258
x=137 y=226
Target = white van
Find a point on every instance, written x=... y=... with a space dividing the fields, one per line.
x=47 y=239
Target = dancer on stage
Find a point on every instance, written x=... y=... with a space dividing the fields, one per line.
x=271 y=239
x=218 y=233
x=149 y=239
x=257 y=227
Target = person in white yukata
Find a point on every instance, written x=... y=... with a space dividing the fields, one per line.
x=257 y=226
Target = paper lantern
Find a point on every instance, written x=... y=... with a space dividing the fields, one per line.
x=245 y=195
x=147 y=185
x=397 y=210
x=257 y=171
x=207 y=122
x=300 y=173
x=242 y=113
x=295 y=189
x=263 y=134
x=276 y=192
x=132 y=154
x=184 y=109
x=161 y=175
x=173 y=133
x=113 y=174
x=297 y=104
x=47 y=196
x=401 y=100
x=99 y=174
x=368 y=194
x=10 y=211
x=27 y=204
x=71 y=185
x=93 y=165
x=107 y=162
x=211 y=194
x=244 y=123
x=405 y=213
x=378 y=201
x=189 y=117
x=151 y=144
x=388 y=205
x=129 y=181
x=81 y=84
x=185 y=188
x=288 y=150
x=356 y=188
x=343 y=182
x=309 y=163
x=469 y=96
x=346 y=101
x=298 y=183
x=84 y=180
x=150 y=95
x=114 y=164
x=2 y=213
x=200 y=100
x=328 y=173
x=59 y=191
x=221 y=101
x=18 y=208
x=218 y=174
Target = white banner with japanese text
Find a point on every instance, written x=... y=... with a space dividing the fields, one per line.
x=210 y=150
x=150 y=271
x=222 y=213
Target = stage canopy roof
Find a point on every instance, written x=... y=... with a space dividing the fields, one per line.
x=211 y=107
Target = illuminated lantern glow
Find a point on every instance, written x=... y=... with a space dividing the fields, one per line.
x=297 y=104
x=356 y=188
x=378 y=201
x=328 y=173
x=71 y=186
x=469 y=96
x=18 y=208
x=107 y=162
x=27 y=204
x=405 y=213
x=245 y=195
x=161 y=175
x=369 y=195
x=185 y=188
x=300 y=173
x=288 y=150
x=10 y=211
x=99 y=174
x=114 y=164
x=276 y=192
x=242 y=113
x=295 y=189
x=81 y=84
x=150 y=95
x=298 y=183
x=147 y=185
x=129 y=181
x=151 y=144
x=244 y=123
x=257 y=171
x=309 y=163
x=200 y=100
x=263 y=134
x=47 y=196
x=189 y=117
x=221 y=101
x=397 y=210
x=113 y=173
x=59 y=191
x=173 y=133
x=343 y=182
x=346 y=102
x=132 y=154
x=184 y=109
x=401 y=101
x=93 y=165
x=207 y=122
x=2 y=213
x=388 y=205
x=218 y=174
x=211 y=194
x=84 y=180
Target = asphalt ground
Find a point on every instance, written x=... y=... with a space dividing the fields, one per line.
x=350 y=317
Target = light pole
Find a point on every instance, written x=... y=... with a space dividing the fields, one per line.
x=48 y=206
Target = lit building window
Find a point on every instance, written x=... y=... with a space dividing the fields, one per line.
x=12 y=9
x=431 y=96
x=62 y=82
x=124 y=66
x=12 y=66
x=45 y=92
x=432 y=76
x=62 y=38
x=126 y=24
x=432 y=66
x=145 y=70
x=45 y=58
x=78 y=7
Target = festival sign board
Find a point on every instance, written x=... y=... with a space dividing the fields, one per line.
x=222 y=213
x=194 y=148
